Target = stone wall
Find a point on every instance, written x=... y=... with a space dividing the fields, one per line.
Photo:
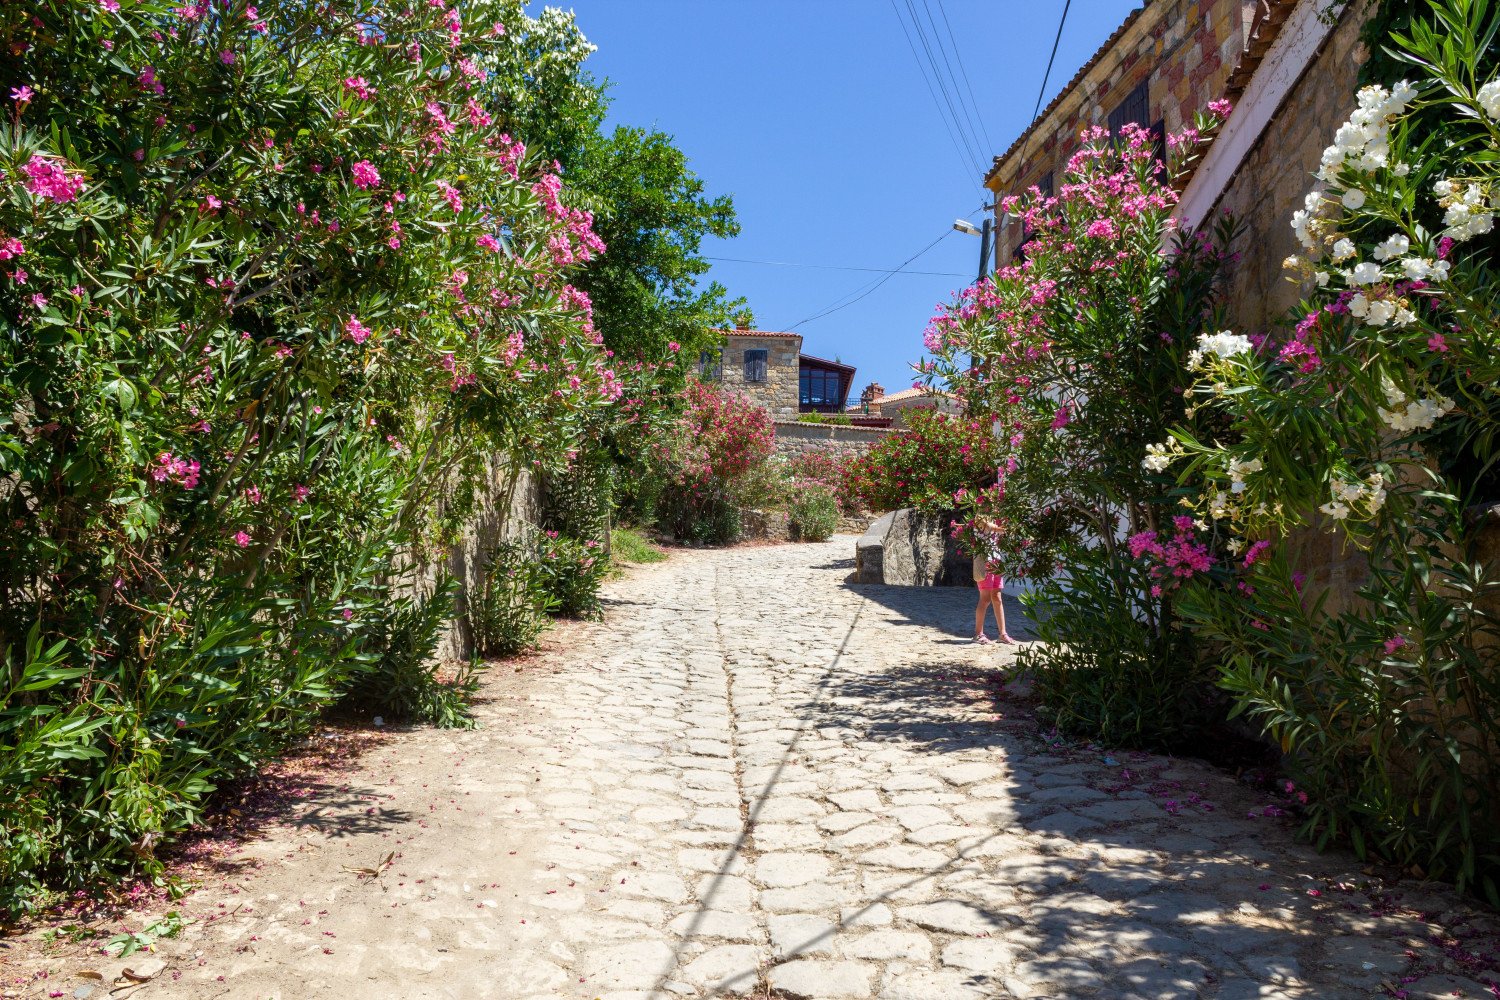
x=780 y=392
x=795 y=438
x=1184 y=50
x=1268 y=187
x=511 y=502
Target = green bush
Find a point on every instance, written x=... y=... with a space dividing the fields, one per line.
x=405 y=682
x=509 y=612
x=1105 y=671
x=812 y=511
x=268 y=289
x=571 y=572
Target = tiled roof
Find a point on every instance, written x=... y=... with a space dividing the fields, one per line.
x=909 y=394
x=1083 y=70
x=1270 y=15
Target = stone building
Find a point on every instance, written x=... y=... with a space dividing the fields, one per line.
x=1158 y=69
x=771 y=369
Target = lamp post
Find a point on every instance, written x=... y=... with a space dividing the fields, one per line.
x=984 y=232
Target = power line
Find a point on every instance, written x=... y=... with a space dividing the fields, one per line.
x=937 y=38
x=864 y=290
x=942 y=86
x=978 y=114
x=837 y=267
x=952 y=138
x=1021 y=160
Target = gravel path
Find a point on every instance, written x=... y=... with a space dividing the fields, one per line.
x=756 y=779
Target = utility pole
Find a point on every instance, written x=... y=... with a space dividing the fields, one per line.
x=985 y=238
x=986 y=234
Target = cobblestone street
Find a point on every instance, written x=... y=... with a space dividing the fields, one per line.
x=756 y=779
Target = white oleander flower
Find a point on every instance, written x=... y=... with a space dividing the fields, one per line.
x=1321 y=278
x=1395 y=246
x=1353 y=199
x=1489 y=98
x=1343 y=250
x=1381 y=312
x=1224 y=343
x=1238 y=470
x=1365 y=273
x=1335 y=510
x=1160 y=456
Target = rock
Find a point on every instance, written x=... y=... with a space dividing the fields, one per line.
x=795 y=934
x=638 y=965
x=955 y=917
x=730 y=968
x=888 y=945
x=784 y=870
x=869 y=564
x=816 y=980
x=932 y=985
x=907 y=548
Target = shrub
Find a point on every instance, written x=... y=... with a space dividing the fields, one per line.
x=939 y=455
x=1097 y=322
x=831 y=419
x=1376 y=417
x=509 y=613
x=268 y=289
x=712 y=461
x=1100 y=674
x=404 y=682
x=571 y=571
x=812 y=511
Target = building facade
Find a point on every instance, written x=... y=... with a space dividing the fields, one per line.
x=1158 y=69
x=771 y=369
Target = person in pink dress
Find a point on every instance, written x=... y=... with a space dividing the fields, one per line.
x=989 y=582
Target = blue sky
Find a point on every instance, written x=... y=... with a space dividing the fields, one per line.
x=814 y=115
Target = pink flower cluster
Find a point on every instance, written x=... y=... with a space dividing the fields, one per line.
x=1176 y=560
x=47 y=179
x=182 y=471
x=364 y=175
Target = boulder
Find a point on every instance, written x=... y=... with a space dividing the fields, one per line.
x=907 y=548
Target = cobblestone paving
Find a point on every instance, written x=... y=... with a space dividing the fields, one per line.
x=755 y=779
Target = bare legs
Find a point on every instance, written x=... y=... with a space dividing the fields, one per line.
x=990 y=599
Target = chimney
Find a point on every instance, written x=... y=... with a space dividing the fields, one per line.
x=869 y=400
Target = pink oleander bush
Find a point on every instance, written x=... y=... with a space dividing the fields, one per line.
x=1072 y=361
x=938 y=456
x=710 y=463
x=274 y=287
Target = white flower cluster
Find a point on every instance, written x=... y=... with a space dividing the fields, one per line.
x=1223 y=344
x=1363 y=142
x=1159 y=456
x=1376 y=311
x=1469 y=209
x=1347 y=497
x=1412 y=414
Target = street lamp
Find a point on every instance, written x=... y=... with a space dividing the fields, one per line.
x=983 y=232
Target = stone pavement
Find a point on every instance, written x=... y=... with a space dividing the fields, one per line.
x=755 y=779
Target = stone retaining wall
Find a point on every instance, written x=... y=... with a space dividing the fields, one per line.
x=511 y=502
x=795 y=438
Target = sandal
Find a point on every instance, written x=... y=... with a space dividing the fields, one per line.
x=982 y=639
x=1006 y=639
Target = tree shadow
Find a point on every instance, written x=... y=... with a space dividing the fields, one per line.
x=949 y=610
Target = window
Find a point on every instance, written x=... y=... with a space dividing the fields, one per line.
x=709 y=367
x=820 y=388
x=755 y=365
x=1135 y=108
